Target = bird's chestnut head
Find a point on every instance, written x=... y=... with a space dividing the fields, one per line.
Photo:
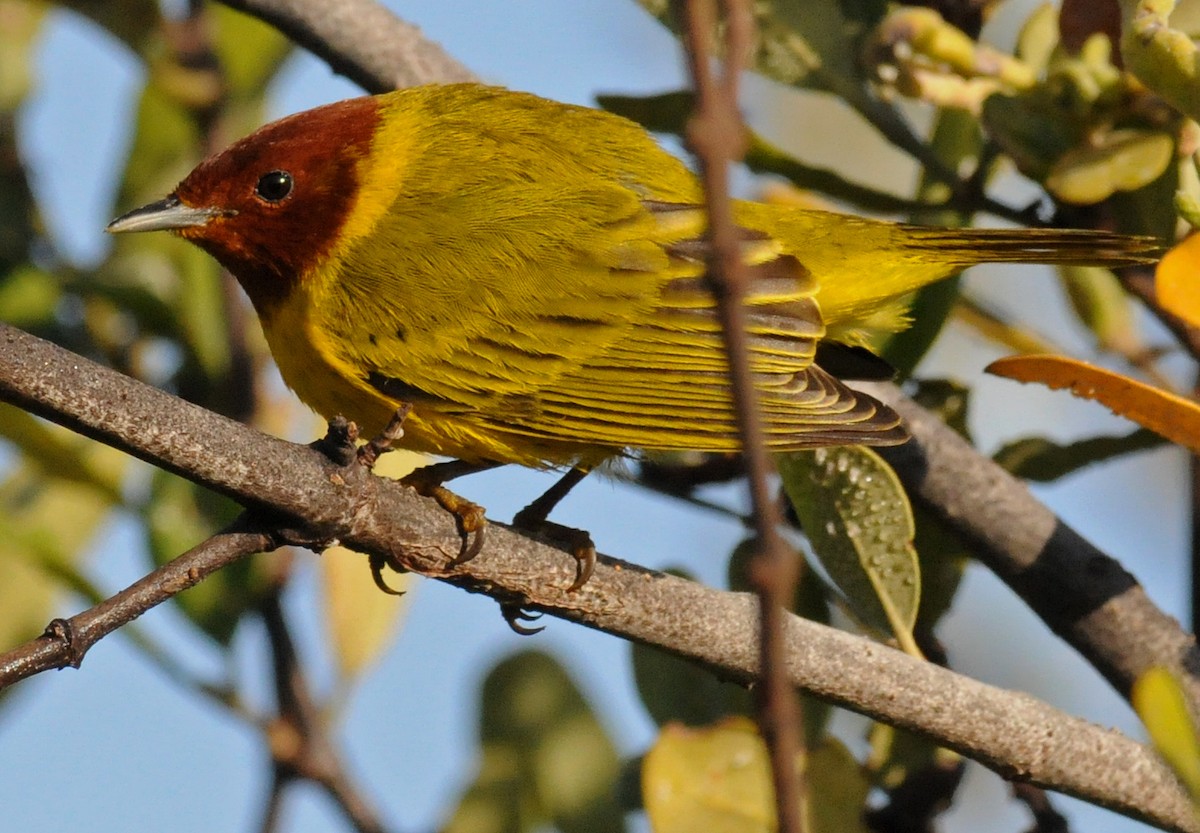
x=271 y=205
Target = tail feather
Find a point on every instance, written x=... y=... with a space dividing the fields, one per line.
x=967 y=247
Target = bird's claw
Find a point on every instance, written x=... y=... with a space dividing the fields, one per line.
x=470 y=517
x=578 y=541
x=514 y=615
x=377 y=563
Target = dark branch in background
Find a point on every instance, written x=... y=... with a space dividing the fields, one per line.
x=298 y=738
x=361 y=40
x=1013 y=733
x=718 y=138
x=1083 y=594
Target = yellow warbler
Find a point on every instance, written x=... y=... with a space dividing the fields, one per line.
x=528 y=276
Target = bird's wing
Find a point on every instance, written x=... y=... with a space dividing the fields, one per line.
x=629 y=353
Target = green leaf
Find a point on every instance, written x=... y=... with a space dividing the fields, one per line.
x=1042 y=460
x=62 y=454
x=837 y=789
x=546 y=759
x=1102 y=304
x=855 y=512
x=250 y=53
x=1162 y=706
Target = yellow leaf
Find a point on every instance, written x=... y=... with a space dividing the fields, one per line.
x=361 y=619
x=1174 y=417
x=1177 y=280
x=716 y=779
x=1160 y=704
x=1123 y=160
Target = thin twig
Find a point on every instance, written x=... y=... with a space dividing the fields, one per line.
x=66 y=641
x=718 y=138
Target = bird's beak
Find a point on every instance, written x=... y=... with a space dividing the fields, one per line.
x=165 y=215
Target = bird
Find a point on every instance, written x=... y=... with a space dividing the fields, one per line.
x=527 y=279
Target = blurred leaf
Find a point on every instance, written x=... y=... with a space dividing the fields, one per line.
x=249 y=51
x=801 y=45
x=28 y=295
x=1032 y=131
x=1148 y=210
x=855 y=512
x=497 y=801
x=1177 y=280
x=178 y=515
x=1160 y=703
x=1103 y=305
x=1162 y=57
x=63 y=454
x=1038 y=37
x=40 y=550
x=837 y=789
x=717 y=780
x=132 y=21
x=542 y=741
x=943 y=557
x=1036 y=458
x=1123 y=160
x=360 y=619
x=1174 y=417
x=948 y=399
x=20 y=25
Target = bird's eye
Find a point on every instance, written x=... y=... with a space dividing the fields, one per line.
x=274 y=186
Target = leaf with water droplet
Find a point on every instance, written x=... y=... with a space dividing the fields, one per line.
x=857 y=517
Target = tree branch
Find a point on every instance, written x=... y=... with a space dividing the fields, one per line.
x=1017 y=735
x=361 y=40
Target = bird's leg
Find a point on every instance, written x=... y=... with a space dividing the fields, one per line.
x=533 y=519
x=471 y=518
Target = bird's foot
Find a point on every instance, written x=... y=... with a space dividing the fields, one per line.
x=471 y=517
x=577 y=541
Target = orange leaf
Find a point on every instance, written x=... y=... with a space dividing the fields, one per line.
x=1174 y=417
x=1177 y=280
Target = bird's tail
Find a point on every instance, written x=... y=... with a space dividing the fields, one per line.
x=871 y=303
x=967 y=247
